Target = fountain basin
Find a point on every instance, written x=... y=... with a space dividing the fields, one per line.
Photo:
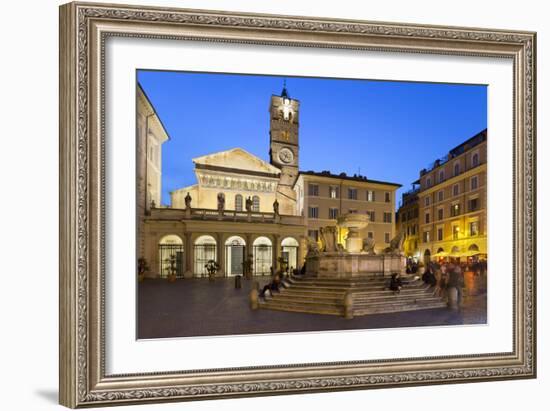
x=353 y=265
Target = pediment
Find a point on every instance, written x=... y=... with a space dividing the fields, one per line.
x=236 y=159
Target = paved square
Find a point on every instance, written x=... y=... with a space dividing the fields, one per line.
x=199 y=307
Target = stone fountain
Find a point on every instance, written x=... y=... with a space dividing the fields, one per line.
x=353 y=222
x=358 y=258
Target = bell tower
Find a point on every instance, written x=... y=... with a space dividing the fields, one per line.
x=284 y=147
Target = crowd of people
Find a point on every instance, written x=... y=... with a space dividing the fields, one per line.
x=450 y=275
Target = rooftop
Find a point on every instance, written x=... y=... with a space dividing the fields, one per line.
x=344 y=176
x=456 y=151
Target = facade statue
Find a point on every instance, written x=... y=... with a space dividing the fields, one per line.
x=368 y=246
x=328 y=239
x=248 y=204
x=396 y=244
x=221 y=202
x=188 y=201
x=312 y=248
x=276 y=207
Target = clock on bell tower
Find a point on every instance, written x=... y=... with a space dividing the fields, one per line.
x=283 y=136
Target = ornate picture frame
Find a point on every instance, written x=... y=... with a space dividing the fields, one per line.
x=84 y=28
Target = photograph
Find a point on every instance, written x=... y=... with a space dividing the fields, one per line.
x=259 y=203
x=285 y=204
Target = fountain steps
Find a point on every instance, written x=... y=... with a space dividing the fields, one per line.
x=327 y=297
x=365 y=302
x=357 y=296
x=298 y=308
x=355 y=289
x=399 y=308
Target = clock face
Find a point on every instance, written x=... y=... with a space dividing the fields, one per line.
x=286 y=156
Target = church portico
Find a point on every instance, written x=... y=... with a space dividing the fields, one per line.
x=228 y=242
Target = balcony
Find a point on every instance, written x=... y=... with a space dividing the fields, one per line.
x=180 y=214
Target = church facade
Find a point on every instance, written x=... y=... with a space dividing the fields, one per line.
x=244 y=211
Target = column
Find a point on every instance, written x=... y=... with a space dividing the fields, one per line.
x=275 y=251
x=249 y=251
x=189 y=257
x=220 y=257
x=302 y=251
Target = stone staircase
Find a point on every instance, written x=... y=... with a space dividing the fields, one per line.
x=370 y=296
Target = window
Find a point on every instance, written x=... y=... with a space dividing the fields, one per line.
x=426 y=236
x=238 y=202
x=386 y=237
x=440 y=214
x=473 y=204
x=256 y=203
x=428 y=182
x=313 y=212
x=313 y=190
x=333 y=213
x=474 y=228
x=427 y=218
x=387 y=217
x=313 y=234
x=371 y=215
x=333 y=192
x=441 y=176
x=456 y=190
x=475 y=160
x=440 y=196
x=370 y=195
x=473 y=183
x=427 y=201
x=457 y=169
x=352 y=211
x=440 y=234
x=352 y=193
x=414 y=229
x=455 y=210
x=456 y=232
x=387 y=197
x=370 y=234
x=404 y=217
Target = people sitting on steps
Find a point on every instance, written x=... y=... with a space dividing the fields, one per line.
x=429 y=277
x=395 y=283
x=272 y=286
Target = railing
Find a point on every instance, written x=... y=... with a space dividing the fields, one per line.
x=225 y=215
x=439 y=162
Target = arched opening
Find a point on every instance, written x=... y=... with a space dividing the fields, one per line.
x=256 y=203
x=473 y=247
x=262 y=254
x=427 y=255
x=234 y=255
x=440 y=250
x=238 y=202
x=289 y=252
x=455 y=250
x=170 y=249
x=204 y=251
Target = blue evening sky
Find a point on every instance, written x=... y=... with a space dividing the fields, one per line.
x=387 y=130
